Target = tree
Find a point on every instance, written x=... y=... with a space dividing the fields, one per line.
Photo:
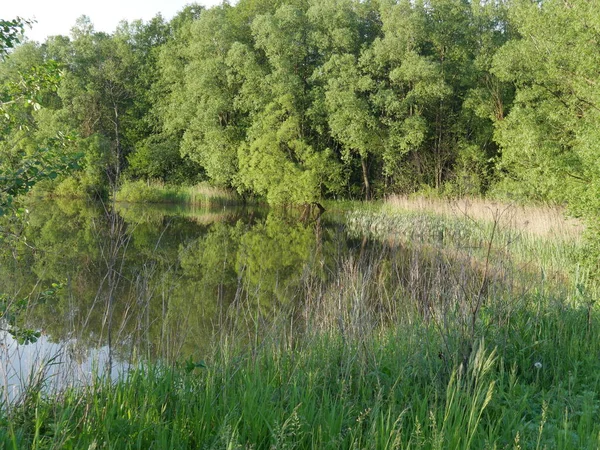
x=550 y=139
x=282 y=159
x=200 y=104
x=342 y=31
x=20 y=96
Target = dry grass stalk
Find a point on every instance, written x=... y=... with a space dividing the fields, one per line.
x=542 y=221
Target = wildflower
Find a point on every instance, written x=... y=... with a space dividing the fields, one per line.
x=538 y=365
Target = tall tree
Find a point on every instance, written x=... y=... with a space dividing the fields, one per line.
x=201 y=99
x=550 y=137
x=281 y=160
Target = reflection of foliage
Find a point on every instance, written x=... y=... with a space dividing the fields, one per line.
x=213 y=256
x=274 y=254
x=174 y=281
x=12 y=312
x=210 y=282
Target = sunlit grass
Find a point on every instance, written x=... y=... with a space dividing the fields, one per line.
x=390 y=389
x=451 y=335
x=537 y=239
x=543 y=221
x=156 y=192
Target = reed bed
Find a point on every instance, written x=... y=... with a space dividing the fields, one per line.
x=549 y=247
x=542 y=221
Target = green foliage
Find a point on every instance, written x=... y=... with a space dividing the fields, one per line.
x=44 y=164
x=299 y=101
x=12 y=312
x=350 y=341
x=11 y=32
x=313 y=99
x=24 y=165
x=381 y=392
x=291 y=101
x=549 y=139
x=546 y=139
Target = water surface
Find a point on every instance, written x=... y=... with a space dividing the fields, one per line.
x=109 y=285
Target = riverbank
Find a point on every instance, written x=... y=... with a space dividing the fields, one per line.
x=198 y=195
x=403 y=329
x=532 y=383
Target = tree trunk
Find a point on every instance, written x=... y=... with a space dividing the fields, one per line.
x=118 y=146
x=365 y=173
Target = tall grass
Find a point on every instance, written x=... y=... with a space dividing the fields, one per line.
x=535 y=238
x=423 y=341
x=389 y=390
x=156 y=192
x=541 y=221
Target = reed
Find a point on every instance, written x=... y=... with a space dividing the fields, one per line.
x=542 y=221
x=157 y=192
x=552 y=246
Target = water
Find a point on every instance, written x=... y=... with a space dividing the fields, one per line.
x=50 y=365
x=107 y=287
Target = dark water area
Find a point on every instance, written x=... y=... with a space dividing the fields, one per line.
x=107 y=286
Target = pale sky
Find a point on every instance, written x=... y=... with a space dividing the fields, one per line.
x=58 y=16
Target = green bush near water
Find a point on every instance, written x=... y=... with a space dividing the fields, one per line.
x=144 y=192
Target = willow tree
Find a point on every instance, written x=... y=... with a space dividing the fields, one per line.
x=408 y=86
x=281 y=158
x=342 y=30
x=551 y=137
x=201 y=100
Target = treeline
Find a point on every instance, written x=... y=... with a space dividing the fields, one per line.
x=299 y=100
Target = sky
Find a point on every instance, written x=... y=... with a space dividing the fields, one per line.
x=58 y=16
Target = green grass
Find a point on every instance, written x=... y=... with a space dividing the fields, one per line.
x=389 y=389
x=200 y=195
x=418 y=346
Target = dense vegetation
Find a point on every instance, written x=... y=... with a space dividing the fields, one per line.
x=426 y=332
x=301 y=100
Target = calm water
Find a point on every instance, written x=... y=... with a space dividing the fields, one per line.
x=108 y=288
x=157 y=282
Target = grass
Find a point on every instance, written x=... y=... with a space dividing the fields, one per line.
x=542 y=221
x=438 y=338
x=156 y=192
x=387 y=390
x=155 y=213
x=535 y=239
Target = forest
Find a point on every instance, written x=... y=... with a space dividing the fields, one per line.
x=295 y=101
